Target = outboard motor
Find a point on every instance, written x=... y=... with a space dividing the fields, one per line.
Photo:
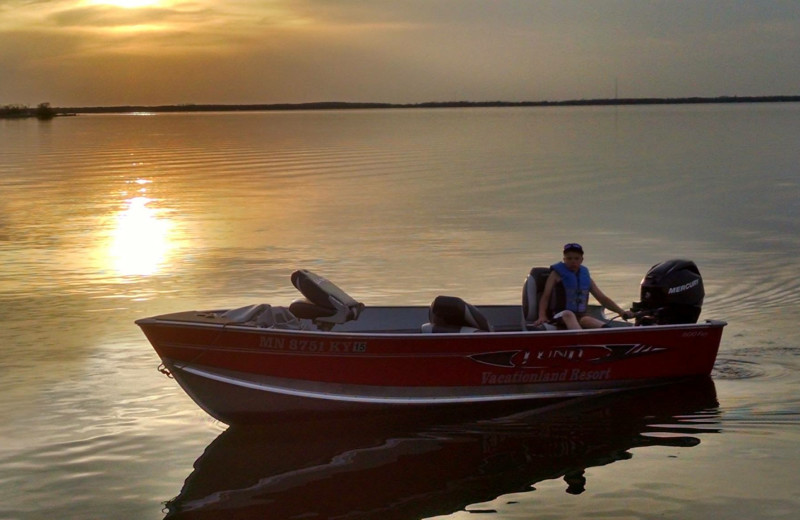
x=672 y=293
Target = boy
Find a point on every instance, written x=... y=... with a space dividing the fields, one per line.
x=578 y=285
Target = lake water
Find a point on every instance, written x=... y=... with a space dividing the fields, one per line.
x=108 y=218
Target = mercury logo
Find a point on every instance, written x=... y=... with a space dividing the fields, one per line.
x=684 y=287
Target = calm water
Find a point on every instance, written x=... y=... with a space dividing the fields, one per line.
x=105 y=219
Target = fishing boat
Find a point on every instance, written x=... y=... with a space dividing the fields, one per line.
x=328 y=352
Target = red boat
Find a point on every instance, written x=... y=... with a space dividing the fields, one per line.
x=330 y=353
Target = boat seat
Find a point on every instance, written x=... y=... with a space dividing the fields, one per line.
x=452 y=314
x=532 y=291
x=325 y=304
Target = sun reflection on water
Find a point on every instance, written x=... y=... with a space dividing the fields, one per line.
x=141 y=239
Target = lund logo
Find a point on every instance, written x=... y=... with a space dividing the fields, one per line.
x=560 y=356
x=537 y=358
x=684 y=287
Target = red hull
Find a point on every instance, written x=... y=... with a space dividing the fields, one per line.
x=237 y=371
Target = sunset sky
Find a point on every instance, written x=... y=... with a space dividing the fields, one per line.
x=151 y=52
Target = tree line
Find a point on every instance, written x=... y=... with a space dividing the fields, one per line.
x=42 y=111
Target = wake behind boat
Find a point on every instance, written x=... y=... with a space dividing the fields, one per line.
x=330 y=353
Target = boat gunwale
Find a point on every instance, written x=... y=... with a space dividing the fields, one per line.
x=419 y=335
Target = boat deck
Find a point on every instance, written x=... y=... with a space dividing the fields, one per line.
x=394 y=320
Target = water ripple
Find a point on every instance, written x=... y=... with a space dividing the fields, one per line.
x=736 y=369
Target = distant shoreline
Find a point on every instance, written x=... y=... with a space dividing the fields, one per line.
x=343 y=105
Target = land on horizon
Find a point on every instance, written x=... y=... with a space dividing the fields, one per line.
x=19 y=111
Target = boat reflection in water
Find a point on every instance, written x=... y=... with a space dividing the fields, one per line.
x=410 y=467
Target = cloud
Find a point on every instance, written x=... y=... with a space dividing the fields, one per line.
x=106 y=16
x=247 y=51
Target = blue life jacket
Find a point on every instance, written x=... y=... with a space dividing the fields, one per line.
x=576 y=286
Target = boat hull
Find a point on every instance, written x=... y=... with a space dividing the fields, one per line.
x=241 y=373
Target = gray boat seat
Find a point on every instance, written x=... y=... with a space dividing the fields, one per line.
x=325 y=304
x=532 y=291
x=452 y=314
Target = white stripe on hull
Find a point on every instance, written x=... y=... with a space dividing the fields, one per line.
x=228 y=396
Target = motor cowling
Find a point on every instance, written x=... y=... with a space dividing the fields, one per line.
x=671 y=293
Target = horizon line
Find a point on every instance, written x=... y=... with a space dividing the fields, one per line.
x=334 y=105
x=318 y=105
